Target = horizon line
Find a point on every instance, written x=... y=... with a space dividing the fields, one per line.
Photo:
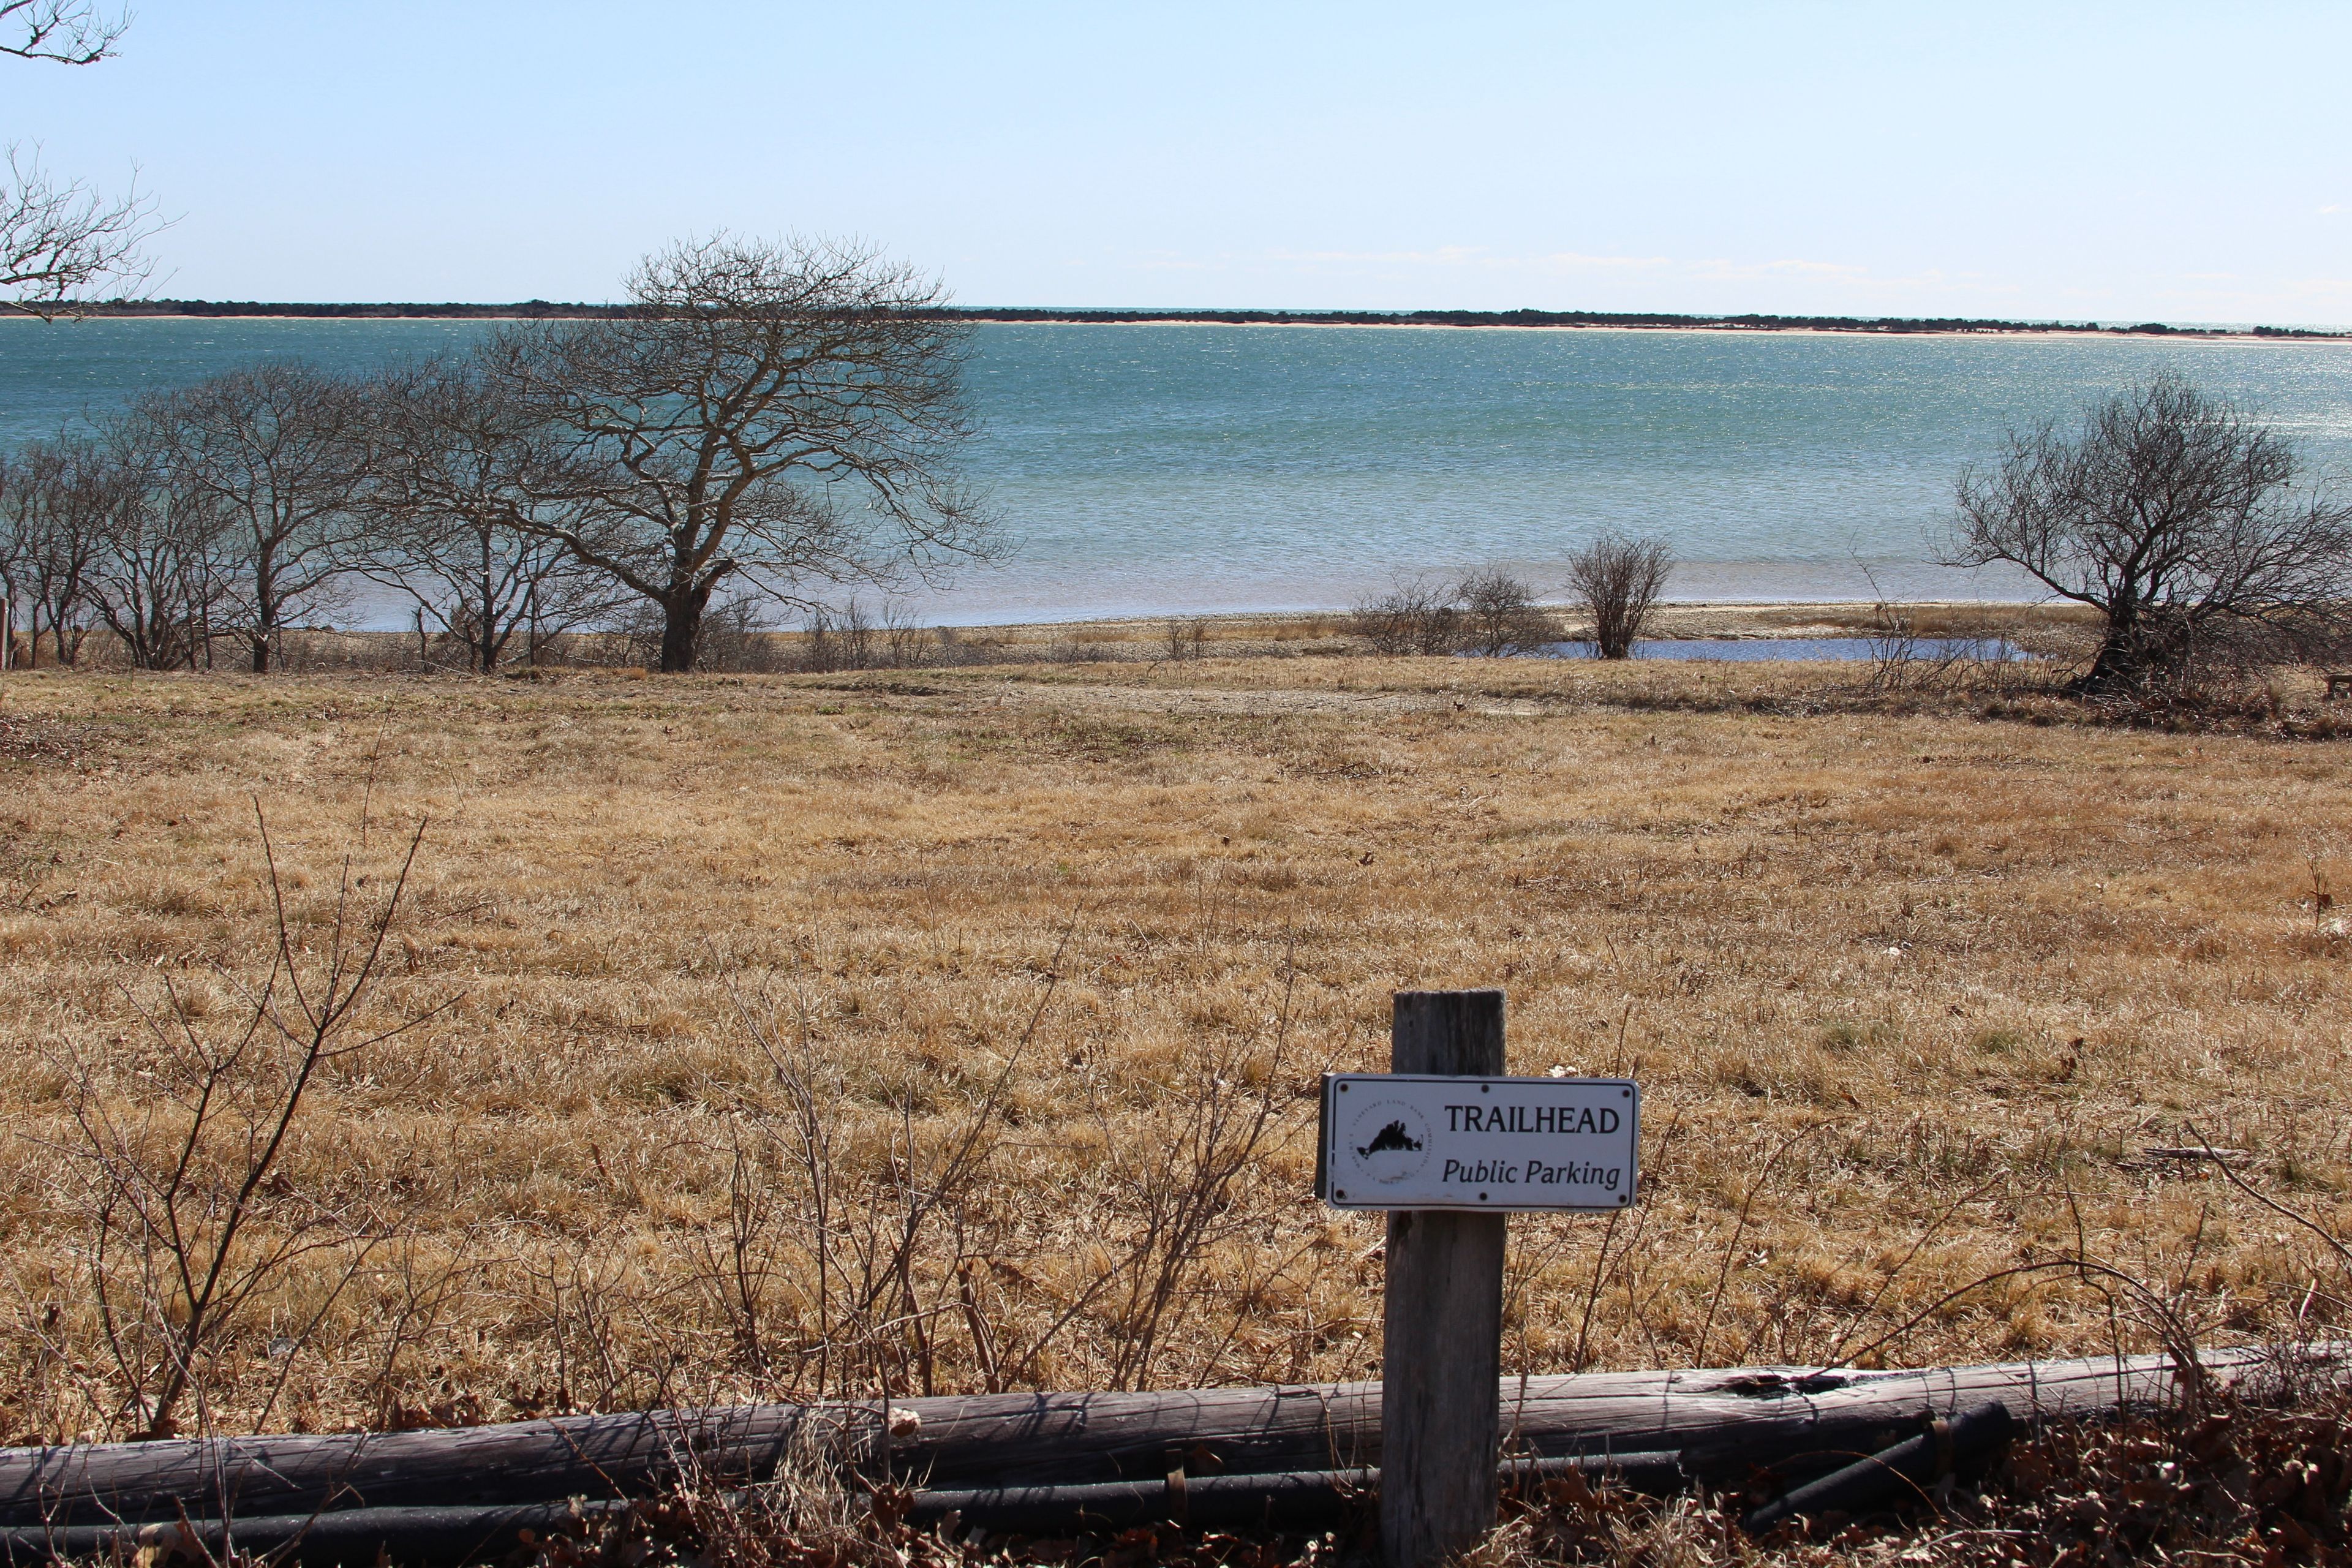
x=1240 y=316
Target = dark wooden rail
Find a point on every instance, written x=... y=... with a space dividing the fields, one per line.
x=1722 y=1424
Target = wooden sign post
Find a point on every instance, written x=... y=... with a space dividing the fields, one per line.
x=1449 y=1145
x=1441 y=1357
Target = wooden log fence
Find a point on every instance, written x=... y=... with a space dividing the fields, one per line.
x=455 y=1486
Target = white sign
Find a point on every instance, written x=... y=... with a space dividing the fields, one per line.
x=1399 y=1140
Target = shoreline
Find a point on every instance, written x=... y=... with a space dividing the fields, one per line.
x=1700 y=619
x=1708 y=620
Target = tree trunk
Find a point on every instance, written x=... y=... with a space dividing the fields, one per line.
x=2117 y=669
x=486 y=639
x=681 y=629
x=2142 y=647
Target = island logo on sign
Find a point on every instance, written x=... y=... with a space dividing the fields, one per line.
x=1391 y=1138
x=1457 y=1141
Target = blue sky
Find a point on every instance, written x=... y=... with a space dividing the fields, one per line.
x=2137 y=162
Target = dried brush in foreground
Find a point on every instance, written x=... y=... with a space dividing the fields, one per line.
x=195 y=1223
x=2242 y=1483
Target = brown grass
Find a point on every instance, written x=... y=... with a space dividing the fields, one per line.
x=1911 y=994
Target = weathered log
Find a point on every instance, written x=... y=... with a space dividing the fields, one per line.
x=1725 y=1423
x=353 y=1538
x=413 y=1537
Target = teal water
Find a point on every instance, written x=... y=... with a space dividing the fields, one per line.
x=1151 y=470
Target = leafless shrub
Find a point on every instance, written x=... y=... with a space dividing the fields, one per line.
x=1620 y=578
x=1190 y=1193
x=872 y=1245
x=1902 y=658
x=867 y=1251
x=1499 y=615
x=1416 y=615
x=1079 y=650
x=905 y=640
x=611 y=1329
x=736 y=639
x=835 y=639
x=1186 y=637
x=416 y=1287
x=813 y=1508
x=950 y=649
x=195 y=1224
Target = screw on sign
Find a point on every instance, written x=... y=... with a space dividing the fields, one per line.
x=1448 y=1145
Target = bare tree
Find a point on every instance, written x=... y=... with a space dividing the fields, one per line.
x=62 y=243
x=51 y=515
x=785 y=415
x=2179 y=518
x=164 y=573
x=453 y=498
x=282 y=449
x=12 y=559
x=1620 y=579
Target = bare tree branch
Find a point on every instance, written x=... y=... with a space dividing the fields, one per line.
x=67 y=32
x=62 y=244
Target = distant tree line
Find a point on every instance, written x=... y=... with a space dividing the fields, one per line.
x=543 y=309
x=764 y=421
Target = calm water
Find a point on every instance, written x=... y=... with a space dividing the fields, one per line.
x=1180 y=468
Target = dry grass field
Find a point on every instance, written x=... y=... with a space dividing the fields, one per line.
x=951 y=1030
